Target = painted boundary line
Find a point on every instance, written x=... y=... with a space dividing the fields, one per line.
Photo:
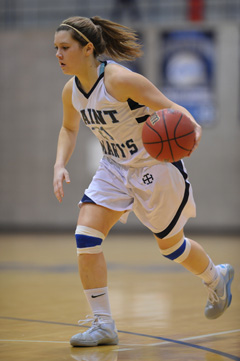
x=166 y=340
x=183 y=343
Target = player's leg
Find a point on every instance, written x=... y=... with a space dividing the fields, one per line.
x=94 y=223
x=101 y=220
x=193 y=257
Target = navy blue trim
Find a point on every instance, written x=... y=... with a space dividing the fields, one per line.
x=142 y=119
x=134 y=105
x=101 y=75
x=84 y=241
x=179 y=166
x=177 y=253
x=86 y=199
x=166 y=231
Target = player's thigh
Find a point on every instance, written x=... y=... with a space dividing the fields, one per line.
x=98 y=217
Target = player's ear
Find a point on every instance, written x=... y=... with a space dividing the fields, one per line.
x=89 y=49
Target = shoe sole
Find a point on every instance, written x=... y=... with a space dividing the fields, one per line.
x=92 y=344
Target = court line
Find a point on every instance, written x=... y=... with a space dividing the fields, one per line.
x=184 y=343
x=183 y=339
x=167 y=340
x=35 y=341
x=198 y=337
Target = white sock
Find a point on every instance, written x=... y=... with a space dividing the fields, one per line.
x=99 y=302
x=210 y=274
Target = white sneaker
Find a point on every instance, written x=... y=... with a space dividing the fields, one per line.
x=102 y=332
x=219 y=292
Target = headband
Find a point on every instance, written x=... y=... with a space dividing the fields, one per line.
x=79 y=32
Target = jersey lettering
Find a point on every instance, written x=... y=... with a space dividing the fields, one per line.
x=113 y=149
x=84 y=117
x=111 y=114
x=103 y=133
x=98 y=116
x=130 y=144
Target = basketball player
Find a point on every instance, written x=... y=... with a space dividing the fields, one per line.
x=114 y=102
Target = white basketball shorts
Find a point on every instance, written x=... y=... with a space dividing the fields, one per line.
x=160 y=195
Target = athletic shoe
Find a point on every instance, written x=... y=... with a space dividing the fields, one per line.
x=102 y=332
x=219 y=292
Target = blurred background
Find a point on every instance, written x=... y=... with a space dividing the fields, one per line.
x=191 y=52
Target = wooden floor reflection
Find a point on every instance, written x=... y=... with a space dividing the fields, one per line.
x=158 y=306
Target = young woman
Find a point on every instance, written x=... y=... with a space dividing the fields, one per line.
x=114 y=102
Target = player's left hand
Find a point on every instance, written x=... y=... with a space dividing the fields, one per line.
x=198 y=136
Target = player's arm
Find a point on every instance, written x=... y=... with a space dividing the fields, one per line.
x=123 y=84
x=66 y=141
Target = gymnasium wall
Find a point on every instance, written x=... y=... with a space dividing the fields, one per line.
x=31 y=112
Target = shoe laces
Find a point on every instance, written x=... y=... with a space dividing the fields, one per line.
x=89 y=318
x=96 y=320
x=212 y=295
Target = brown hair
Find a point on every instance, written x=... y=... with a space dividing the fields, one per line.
x=109 y=38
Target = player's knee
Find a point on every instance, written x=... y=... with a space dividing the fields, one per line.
x=89 y=240
x=179 y=252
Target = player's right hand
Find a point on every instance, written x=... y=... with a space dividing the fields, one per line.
x=60 y=174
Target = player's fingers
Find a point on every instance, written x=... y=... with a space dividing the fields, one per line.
x=58 y=196
x=198 y=135
x=66 y=176
x=58 y=190
x=59 y=176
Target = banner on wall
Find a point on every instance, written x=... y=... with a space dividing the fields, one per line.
x=188 y=72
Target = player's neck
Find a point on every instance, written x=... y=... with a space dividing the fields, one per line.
x=88 y=76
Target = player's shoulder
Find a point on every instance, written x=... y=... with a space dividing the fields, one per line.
x=116 y=73
x=67 y=90
x=117 y=80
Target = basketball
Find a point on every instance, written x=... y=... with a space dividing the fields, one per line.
x=168 y=135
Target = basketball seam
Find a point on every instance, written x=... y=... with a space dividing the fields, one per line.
x=175 y=137
x=171 y=142
x=148 y=125
x=168 y=140
x=160 y=141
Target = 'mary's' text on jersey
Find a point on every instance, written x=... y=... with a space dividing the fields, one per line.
x=109 y=147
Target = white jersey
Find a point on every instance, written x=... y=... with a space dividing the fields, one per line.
x=128 y=179
x=117 y=125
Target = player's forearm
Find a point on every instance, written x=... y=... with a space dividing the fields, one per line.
x=66 y=144
x=183 y=110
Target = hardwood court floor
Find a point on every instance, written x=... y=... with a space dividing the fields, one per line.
x=158 y=306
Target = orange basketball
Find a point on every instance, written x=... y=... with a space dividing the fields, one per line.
x=168 y=135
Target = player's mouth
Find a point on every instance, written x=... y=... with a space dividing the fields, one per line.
x=62 y=65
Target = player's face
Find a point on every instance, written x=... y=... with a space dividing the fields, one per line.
x=69 y=52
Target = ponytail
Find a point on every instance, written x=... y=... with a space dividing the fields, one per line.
x=121 y=41
x=109 y=38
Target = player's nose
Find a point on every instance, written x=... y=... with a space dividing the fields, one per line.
x=58 y=54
